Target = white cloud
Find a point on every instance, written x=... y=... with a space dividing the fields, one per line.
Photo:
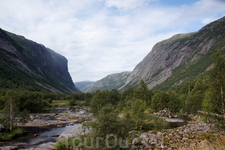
x=127 y=4
x=100 y=37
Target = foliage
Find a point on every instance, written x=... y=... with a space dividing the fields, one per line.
x=160 y=100
x=138 y=112
x=174 y=103
x=102 y=98
x=72 y=103
x=11 y=135
x=159 y=123
x=53 y=109
x=215 y=97
x=109 y=126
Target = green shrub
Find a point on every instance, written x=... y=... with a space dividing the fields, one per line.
x=11 y=135
x=60 y=145
x=69 y=143
x=74 y=117
x=87 y=123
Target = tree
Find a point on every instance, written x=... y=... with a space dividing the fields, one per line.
x=144 y=93
x=138 y=112
x=11 y=112
x=113 y=96
x=160 y=100
x=108 y=128
x=72 y=102
x=174 y=103
x=99 y=100
x=215 y=97
x=10 y=109
x=195 y=97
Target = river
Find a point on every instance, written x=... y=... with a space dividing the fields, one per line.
x=52 y=133
x=48 y=136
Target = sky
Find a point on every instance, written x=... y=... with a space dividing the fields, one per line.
x=101 y=37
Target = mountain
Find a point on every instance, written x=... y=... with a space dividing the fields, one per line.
x=172 y=61
x=112 y=81
x=27 y=65
x=82 y=84
x=179 y=58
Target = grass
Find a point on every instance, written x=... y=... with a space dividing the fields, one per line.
x=60 y=103
x=11 y=135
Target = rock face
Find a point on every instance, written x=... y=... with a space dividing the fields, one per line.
x=181 y=57
x=28 y=65
x=112 y=81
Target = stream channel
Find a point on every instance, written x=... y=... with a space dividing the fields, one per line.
x=53 y=132
x=48 y=136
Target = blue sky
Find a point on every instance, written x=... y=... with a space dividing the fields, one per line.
x=100 y=37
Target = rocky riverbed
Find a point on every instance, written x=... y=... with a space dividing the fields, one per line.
x=184 y=137
x=40 y=123
x=59 y=119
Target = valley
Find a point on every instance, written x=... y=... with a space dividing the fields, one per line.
x=172 y=99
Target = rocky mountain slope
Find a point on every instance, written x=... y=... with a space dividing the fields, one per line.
x=112 y=81
x=181 y=57
x=82 y=84
x=172 y=61
x=27 y=65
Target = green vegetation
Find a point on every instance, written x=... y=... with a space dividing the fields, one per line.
x=215 y=95
x=11 y=135
x=118 y=113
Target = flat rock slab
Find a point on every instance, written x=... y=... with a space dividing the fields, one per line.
x=9 y=148
x=45 y=146
x=74 y=132
x=56 y=119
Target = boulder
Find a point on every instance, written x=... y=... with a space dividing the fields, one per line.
x=74 y=132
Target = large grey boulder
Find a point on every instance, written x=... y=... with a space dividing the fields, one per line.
x=74 y=132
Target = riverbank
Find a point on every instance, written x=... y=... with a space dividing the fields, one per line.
x=40 y=123
x=29 y=133
x=55 y=120
x=191 y=136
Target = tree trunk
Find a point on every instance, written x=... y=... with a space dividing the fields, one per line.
x=11 y=115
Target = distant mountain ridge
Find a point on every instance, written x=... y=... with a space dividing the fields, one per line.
x=25 y=64
x=82 y=84
x=112 y=81
x=175 y=60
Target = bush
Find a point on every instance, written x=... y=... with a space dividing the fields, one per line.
x=159 y=123
x=72 y=103
x=60 y=145
x=69 y=143
x=12 y=135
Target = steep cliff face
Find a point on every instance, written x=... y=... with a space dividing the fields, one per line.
x=28 y=65
x=112 y=81
x=179 y=58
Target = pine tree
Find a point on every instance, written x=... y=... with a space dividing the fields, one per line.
x=10 y=109
x=215 y=97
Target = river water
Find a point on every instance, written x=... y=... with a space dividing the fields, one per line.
x=51 y=134
x=48 y=136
